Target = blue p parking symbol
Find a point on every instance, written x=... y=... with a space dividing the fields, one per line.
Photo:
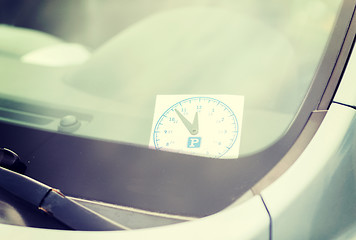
x=194 y=142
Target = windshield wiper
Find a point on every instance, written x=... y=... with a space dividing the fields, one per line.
x=48 y=199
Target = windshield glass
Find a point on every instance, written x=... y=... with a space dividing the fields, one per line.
x=186 y=76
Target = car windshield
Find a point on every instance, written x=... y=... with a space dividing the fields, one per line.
x=162 y=74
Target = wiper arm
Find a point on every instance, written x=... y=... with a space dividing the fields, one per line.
x=53 y=202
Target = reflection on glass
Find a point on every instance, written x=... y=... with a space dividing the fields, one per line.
x=127 y=52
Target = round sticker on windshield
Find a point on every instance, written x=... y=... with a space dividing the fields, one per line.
x=208 y=125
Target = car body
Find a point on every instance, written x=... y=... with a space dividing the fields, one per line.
x=85 y=121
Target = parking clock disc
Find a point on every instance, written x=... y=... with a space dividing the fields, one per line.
x=200 y=125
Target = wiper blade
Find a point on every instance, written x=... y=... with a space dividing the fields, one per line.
x=53 y=202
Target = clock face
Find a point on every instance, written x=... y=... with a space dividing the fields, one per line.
x=202 y=126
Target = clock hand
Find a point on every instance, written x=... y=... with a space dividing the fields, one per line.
x=195 y=125
x=193 y=128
